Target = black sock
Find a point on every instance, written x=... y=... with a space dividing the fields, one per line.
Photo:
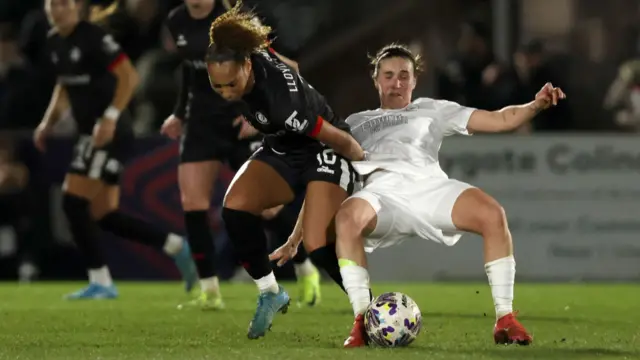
x=282 y=227
x=133 y=229
x=201 y=242
x=326 y=258
x=301 y=256
x=249 y=241
x=83 y=229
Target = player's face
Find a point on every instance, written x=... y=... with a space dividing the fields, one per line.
x=62 y=13
x=229 y=78
x=395 y=82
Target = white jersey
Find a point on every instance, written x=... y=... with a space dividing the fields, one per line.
x=408 y=140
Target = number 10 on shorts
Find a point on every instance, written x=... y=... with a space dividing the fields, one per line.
x=327 y=157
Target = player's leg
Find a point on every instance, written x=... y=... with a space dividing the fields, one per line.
x=356 y=219
x=196 y=181
x=259 y=185
x=281 y=221
x=200 y=163
x=329 y=183
x=78 y=191
x=475 y=211
x=104 y=209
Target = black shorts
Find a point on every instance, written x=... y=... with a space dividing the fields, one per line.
x=106 y=163
x=301 y=167
x=204 y=141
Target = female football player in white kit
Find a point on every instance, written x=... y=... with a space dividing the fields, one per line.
x=407 y=195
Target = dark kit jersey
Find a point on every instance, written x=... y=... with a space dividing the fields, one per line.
x=83 y=61
x=284 y=107
x=191 y=37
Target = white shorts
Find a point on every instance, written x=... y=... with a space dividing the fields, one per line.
x=410 y=207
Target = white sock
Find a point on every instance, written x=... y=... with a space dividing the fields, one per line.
x=501 y=274
x=268 y=283
x=210 y=285
x=305 y=269
x=356 y=281
x=100 y=276
x=173 y=244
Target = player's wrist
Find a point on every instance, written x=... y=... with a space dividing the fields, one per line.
x=111 y=114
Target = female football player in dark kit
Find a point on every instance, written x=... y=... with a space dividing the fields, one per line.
x=97 y=80
x=306 y=148
x=212 y=133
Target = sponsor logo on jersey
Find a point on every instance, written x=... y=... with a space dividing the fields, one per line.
x=261 y=118
x=75 y=80
x=196 y=64
x=75 y=55
x=109 y=45
x=293 y=124
x=181 y=41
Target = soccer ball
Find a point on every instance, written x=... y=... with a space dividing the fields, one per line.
x=392 y=320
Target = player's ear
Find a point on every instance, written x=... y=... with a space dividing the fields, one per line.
x=247 y=66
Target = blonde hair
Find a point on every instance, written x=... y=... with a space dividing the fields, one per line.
x=99 y=14
x=237 y=32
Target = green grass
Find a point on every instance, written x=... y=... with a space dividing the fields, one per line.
x=568 y=322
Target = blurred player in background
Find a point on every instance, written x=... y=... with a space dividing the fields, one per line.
x=213 y=133
x=407 y=195
x=297 y=123
x=96 y=79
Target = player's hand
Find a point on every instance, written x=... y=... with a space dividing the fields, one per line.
x=103 y=132
x=549 y=96
x=285 y=252
x=40 y=136
x=172 y=127
x=246 y=130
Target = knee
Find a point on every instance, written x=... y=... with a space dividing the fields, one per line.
x=347 y=222
x=270 y=214
x=355 y=218
x=193 y=200
x=100 y=210
x=493 y=218
x=243 y=203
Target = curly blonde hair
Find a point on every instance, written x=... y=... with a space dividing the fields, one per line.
x=238 y=32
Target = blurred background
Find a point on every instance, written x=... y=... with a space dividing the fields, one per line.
x=569 y=181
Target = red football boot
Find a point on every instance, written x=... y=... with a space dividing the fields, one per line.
x=509 y=331
x=358 y=335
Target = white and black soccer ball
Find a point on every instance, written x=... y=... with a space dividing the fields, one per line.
x=393 y=319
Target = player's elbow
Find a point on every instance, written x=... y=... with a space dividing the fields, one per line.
x=127 y=75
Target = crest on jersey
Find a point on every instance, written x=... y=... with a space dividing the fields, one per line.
x=75 y=54
x=109 y=45
x=181 y=41
x=54 y=58
x=261 y=118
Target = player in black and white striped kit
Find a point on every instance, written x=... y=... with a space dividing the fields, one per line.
x=97 y=80
x=213 y=133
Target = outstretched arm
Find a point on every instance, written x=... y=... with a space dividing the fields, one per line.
x=512 y=117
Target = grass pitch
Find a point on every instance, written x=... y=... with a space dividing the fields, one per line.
x=567 y=321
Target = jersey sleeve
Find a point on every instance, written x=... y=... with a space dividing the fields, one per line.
x=452 y=117
x=295 y=113
x=103 y=48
